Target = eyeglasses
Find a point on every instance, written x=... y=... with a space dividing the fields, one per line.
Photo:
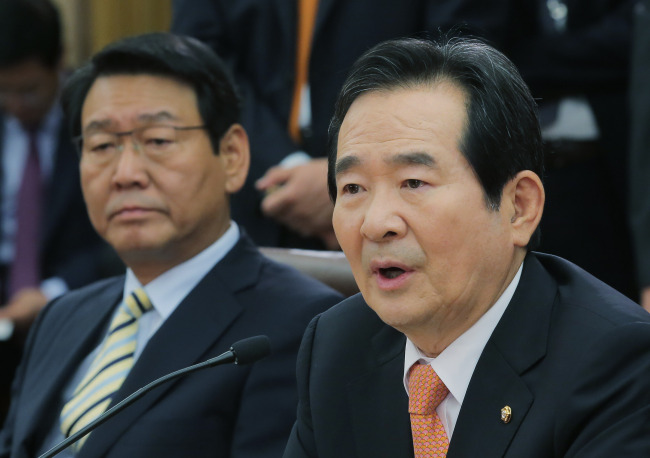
x=156 y=142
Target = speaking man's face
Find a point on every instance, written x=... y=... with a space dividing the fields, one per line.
x=427 y=253
x=159 y=195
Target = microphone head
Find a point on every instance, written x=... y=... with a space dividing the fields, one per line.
x=251 y=349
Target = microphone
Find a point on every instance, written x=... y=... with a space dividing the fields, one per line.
x=245 y=351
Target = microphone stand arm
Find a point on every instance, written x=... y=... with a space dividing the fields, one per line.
x=224 y=358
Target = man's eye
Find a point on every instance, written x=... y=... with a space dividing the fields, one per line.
x=158 y=141
x=351 y=188
x=413 y=183
x=102 y=147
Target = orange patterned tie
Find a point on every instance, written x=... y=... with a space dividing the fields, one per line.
x=426 y=392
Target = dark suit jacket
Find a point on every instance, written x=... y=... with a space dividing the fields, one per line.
x=69 y=246
x=227 y=411
x=258 y=39
x=570 y=356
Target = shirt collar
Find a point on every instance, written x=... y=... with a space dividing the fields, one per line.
x=168 y=290
x=467 y=348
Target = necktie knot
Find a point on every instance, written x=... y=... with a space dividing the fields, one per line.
x=137 y=303
x=426 y=390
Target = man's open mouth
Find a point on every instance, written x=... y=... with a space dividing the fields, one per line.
x=391 y=272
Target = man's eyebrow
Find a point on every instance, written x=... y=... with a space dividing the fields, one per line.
x=98 y=125
x=415 y=158
x=345 y=164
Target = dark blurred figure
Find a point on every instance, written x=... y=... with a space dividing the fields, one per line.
x=640 y=147
x=47 y=245
x=575 y=55
x=287 y=106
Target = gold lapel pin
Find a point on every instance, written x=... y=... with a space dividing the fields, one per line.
x=506 y=414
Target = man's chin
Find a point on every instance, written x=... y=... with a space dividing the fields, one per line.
x=392 y=313
x=137 y=248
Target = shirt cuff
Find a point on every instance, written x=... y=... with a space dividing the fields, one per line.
x=294 y=159
x=54 y=287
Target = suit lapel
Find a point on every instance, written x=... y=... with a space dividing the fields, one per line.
x=75 y=338
x=518 y=342
x=480 y=431
x=379 y=405
x=209 y=309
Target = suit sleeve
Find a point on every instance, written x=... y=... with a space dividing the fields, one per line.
x=268 y=402
x=607 y=406
x=7 y=432
x=301 y=442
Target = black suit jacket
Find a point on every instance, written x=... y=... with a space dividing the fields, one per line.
x=258 y=39
x=570 y=356
x=227 y=411
x=69 y=247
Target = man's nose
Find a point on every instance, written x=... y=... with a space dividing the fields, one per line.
x=131 y=165
x=383 y=218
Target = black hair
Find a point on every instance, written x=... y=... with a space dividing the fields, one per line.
x=162 y=54
x=29 y=29
x=502 y=136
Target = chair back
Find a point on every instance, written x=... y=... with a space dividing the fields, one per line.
x=330 y=267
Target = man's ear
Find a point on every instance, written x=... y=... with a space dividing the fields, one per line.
x=234 y=151
x=524 y=197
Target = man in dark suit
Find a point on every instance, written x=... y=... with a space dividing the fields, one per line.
x=47 y=245
x=259 y=40
x=463 y=342
x=156 y=121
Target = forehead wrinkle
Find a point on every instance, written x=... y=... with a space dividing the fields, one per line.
x=103 y=124
x=157 y=117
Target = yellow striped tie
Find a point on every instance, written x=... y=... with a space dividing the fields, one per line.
x=108 y=370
